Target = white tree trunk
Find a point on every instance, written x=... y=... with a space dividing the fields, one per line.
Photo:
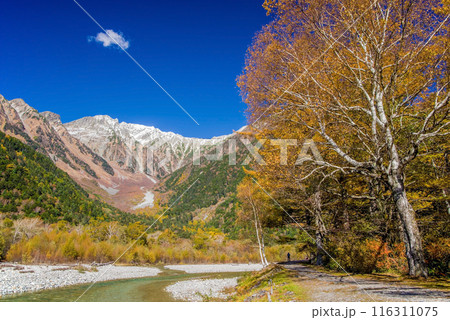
x=412 y=238
x=263 y=248
x=260 y=238
x=261 y=254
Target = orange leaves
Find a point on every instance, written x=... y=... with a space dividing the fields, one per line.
x=443 y=7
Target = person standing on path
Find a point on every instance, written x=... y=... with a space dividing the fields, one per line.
x=288 y=257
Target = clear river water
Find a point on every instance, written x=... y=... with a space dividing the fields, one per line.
x=150 y=289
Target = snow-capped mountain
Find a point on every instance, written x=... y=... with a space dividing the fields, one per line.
x=136 y=147
x=45 y=132
x=116 y=161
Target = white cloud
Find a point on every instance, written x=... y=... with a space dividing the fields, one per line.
x=110 y=38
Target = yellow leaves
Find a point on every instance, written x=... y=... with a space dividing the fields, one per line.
x=249 y=172
x=446 y=6
x=182 y=178
x=420 y=200
x=443 y=7
x=269 y=5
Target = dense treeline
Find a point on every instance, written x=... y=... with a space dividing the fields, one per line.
x=32 y=186
x=47 y=217
x=358 y=120
x=208 y=184
x=29 y=240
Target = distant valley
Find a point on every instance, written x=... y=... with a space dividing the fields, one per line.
x=118 y=162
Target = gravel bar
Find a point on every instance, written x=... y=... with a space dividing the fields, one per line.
x=15 y=278
x=215 y=268
x=199 y=289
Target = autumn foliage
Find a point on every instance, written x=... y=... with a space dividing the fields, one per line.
x=368 y=83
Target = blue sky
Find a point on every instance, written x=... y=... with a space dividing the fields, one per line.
x=194 y=48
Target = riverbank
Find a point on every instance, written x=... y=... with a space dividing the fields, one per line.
x=299 y=282
x=20 y=278
x=202 y=289
x=17 y=278
x=207 y=289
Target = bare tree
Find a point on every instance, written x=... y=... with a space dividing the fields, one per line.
x=252 y=204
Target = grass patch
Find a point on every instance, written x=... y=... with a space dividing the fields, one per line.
x=83 y=269
x=275 y=281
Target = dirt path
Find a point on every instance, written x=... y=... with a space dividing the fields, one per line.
x=322 y=286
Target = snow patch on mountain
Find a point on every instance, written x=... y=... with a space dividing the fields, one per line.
x=112 y=191
x=147 y=202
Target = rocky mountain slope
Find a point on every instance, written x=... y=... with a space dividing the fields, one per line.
x=45 y=133
x=209 y=189
x=135 y=147
x=31 y=185
x=118 y=162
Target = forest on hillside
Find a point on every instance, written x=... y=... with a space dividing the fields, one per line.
x=31 y=183
x=45 y=217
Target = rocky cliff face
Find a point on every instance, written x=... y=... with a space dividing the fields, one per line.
x=45 y=132
x=118 y=162
x=11 y=123
x=137 y=148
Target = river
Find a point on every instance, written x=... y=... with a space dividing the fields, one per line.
x=150 y=289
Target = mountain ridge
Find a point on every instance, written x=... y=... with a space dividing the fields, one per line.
x=137 y=147
x=116 y=120
x=45 y=133
x=118 y=162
